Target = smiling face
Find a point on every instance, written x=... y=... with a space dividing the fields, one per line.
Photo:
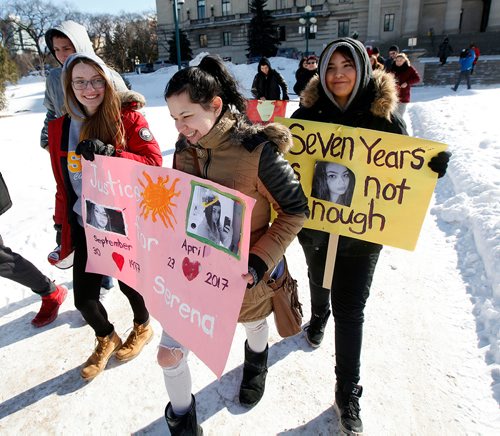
x=337 y=179
x=340 y=77
x=89 y=97
x=63 y=47
x=400 y=60
x=191 y=119
x=312 y=64
x=101 y=217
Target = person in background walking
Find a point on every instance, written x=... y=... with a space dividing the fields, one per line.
x=16 y=268
x=376 y=65
x=466 y=62
x=444 y=50
x=267 y=83
x=477 y=53
x=393 y=51
x=406 y=76
x=376 y=52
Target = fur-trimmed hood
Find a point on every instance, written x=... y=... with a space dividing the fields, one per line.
x=385 y=94
x=248 y=133
x=132 y=100
x=239 y=130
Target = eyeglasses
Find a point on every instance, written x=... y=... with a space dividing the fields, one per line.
x=82 y=84
x=311 y=63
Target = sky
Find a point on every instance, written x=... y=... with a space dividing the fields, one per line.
x=111 y=6
x=430 y=362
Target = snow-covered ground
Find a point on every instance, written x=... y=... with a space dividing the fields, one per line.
x=431 y=357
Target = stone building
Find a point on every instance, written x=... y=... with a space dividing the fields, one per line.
x=220 y=26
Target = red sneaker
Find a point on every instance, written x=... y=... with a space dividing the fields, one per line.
x=50 y=307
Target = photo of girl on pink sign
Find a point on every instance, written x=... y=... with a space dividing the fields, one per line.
x=215 y=219
x=105 y=218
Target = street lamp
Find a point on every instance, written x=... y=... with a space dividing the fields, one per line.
x=177 y=3
x=308 y=25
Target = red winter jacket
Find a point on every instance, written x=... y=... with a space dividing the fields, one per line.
x=405 y=74
x=141 y=146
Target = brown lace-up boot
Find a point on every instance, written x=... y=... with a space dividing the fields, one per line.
x=140 y=335
x=106 y=347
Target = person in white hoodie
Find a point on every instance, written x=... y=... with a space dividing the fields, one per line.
x=63 y=40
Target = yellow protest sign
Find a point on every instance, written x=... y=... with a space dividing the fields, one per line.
x=366 y=184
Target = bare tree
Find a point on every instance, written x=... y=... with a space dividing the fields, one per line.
x=30 y=19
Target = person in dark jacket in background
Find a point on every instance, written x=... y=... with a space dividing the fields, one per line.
x=16 y=268
x=406 y=76
x=393 y=52
x=267 y=83
x=307 y=70
x=350 y=93
x=444 y=50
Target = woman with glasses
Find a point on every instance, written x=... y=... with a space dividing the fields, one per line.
x=99 y=121
x=308 y=68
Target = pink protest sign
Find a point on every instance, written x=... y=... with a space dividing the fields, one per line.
x=179 y=240
x=264 y=111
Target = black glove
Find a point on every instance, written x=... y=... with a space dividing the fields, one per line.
x=439 y=163
x=58 y=229
x=257 y=267
x=89 y=147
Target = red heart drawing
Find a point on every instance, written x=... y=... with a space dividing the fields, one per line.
x=119 y=259
x=190 y=269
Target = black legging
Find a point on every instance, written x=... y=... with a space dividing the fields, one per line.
x=15 y=267
x=352 y=278
x=87 y=288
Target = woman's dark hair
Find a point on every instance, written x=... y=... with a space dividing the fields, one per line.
x=203 y=83
x=344 y=51
x=320 y=185
x=209 y=212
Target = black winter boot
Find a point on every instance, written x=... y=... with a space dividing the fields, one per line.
x=253 y=383
x=185 y=425
x=347 y=407
x=316 y=328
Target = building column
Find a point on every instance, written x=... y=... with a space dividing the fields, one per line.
x=411 y=18
x=452 y=16
x=374 y=17
x=494 y=17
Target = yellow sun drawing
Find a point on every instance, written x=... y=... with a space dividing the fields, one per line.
x=157 y=199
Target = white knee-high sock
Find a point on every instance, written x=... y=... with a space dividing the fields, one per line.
x=178 y=384
x=257 y=335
